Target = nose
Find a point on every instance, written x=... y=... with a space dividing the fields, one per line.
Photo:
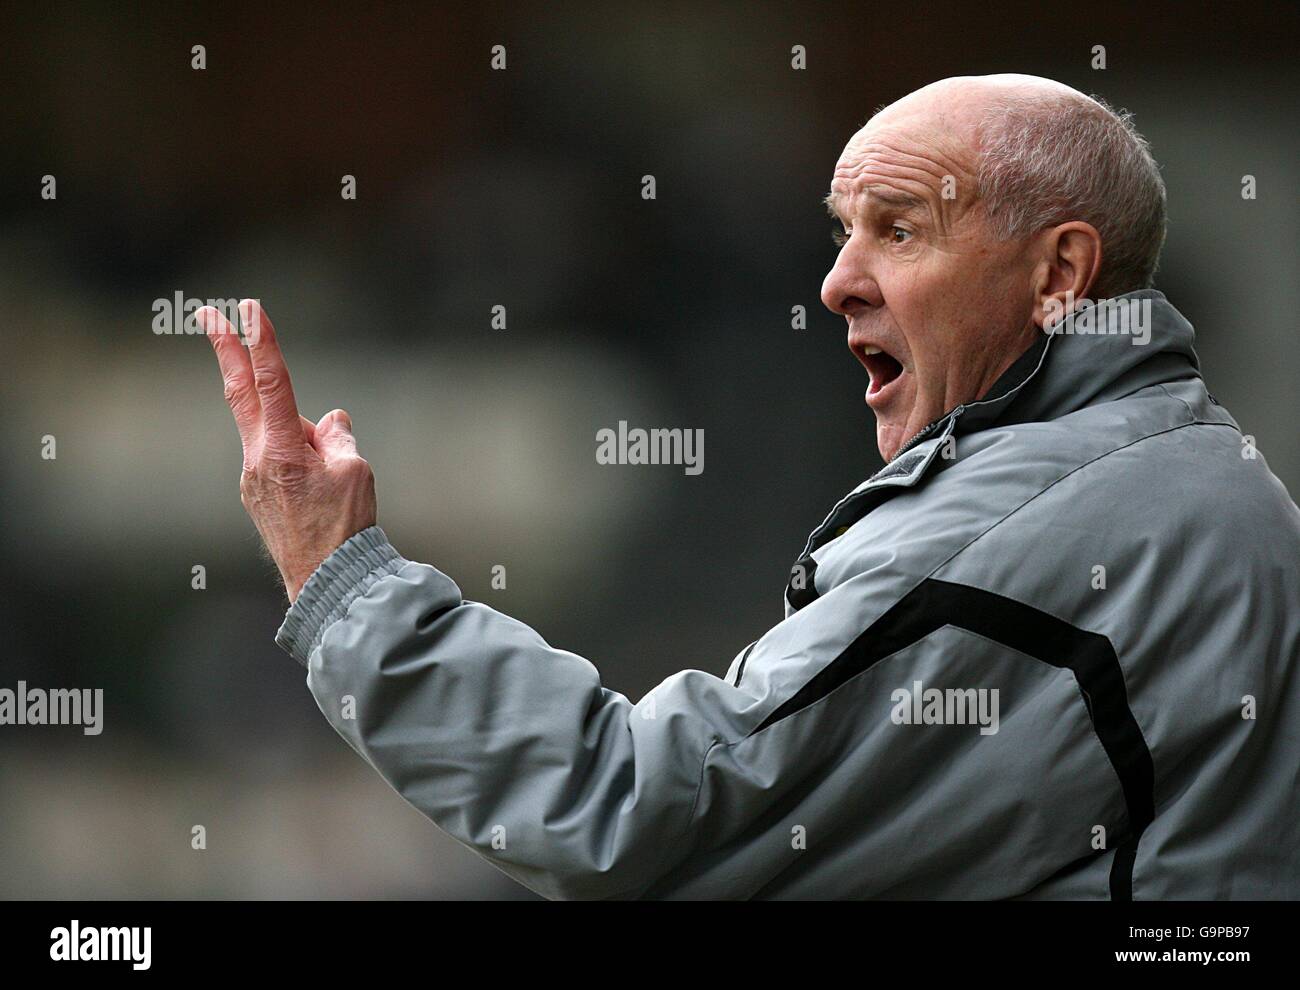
x=849 y=287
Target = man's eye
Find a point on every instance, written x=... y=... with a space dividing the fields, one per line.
x=894 y=233
x=840 y=237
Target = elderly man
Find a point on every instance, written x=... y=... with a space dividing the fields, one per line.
x=1050 y=650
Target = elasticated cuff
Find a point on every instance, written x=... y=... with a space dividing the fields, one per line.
x=343 y=577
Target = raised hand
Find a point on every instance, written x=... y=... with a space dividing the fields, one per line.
x=304 y=485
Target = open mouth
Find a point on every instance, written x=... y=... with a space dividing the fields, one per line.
x=883 y=368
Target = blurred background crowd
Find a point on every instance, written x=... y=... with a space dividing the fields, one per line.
x=478 y=188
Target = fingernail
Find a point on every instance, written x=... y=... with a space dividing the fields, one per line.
x=251 y=321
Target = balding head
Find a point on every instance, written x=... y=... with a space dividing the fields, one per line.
x=1043 y=153
x=971 y=94
x=973 y=206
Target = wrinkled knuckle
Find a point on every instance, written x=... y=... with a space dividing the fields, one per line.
x=270 y=381
x=236 y=392
x=284 y=473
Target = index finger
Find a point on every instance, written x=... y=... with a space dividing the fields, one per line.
x=270 y=375
x=236 y=371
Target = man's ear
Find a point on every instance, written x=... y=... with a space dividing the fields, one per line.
x=1067 y=269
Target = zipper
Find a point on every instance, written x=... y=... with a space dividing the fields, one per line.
x=740 y=671
x=923 y=434
x=921 y=437
x=916 y=439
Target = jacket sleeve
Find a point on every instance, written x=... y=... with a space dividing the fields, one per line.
x=704 y=788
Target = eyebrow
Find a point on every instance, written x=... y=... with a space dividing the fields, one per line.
x=884 y=195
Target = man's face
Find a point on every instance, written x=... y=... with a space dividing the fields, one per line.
x=936 y=307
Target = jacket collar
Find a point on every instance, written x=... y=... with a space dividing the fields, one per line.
x=1078 y=361
x=1071 y=367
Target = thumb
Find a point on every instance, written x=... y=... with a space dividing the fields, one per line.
x=334 y=435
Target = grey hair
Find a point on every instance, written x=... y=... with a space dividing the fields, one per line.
x=1046 y=161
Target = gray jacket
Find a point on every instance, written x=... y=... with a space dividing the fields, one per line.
x=1096 y=542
